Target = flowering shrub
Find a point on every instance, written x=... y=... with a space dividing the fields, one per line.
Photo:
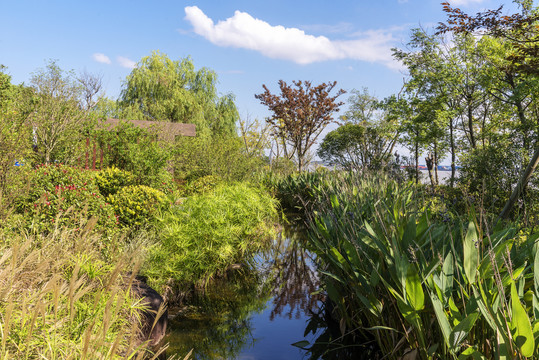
x=112 y=179
x=137 y=205
x=60 y=195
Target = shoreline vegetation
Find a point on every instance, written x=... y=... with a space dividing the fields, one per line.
x=409 y=270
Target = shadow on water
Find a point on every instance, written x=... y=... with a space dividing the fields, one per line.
x=259 y=310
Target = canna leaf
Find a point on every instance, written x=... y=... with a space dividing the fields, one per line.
x=414 y=291
x=523 y=333
x=461 y=331
x=471 y=255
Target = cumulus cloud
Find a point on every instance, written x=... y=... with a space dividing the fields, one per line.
x=101 y=58
x=244 y=31
x=125 y=62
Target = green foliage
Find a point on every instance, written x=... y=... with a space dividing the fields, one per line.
x=57 y=118
x=59 y=196
x=15 y=132
x=390 y=271
x=209 y=232
x=223 y=157
x=136 y=205
x=136 y=150
x=59 y=299
x=202 y=185
x=159 y=88
x=112 y=179
x=358 y=147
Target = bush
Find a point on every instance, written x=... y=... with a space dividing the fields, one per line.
x=208 y=233
x=60 y=195
x=202 y=185
x=136 y=205
x=220 y=156
x=112 y=179
x=136 y=150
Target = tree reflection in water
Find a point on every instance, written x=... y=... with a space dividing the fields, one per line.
x=218 y=324
x=293 y=274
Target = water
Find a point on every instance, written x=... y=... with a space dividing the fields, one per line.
x=254 y=313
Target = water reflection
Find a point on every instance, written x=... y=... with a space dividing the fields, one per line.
x=233 y=317
x=294 y=276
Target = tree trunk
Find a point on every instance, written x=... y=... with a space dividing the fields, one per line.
x=430 y=161
x=522 y=182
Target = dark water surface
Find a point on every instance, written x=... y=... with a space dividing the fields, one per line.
x=257 y=312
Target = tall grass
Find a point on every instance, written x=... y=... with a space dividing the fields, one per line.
x=60 y=300
x=420 y=288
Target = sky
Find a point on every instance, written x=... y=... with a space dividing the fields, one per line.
x=247 y=43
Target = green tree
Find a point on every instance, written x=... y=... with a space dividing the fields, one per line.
x=14 y=129
x=162 y=89
x=300 y=113
x=519 y=37
x=369 y=136
x=58 y=118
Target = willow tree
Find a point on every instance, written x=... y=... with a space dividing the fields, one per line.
x=159 y=88
x=300 y=113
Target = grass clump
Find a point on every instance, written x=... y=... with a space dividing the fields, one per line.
x=208 y=232
x=60 y=300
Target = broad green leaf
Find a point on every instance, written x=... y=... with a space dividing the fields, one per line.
x=414 y=291
x=443 y=322
x=523 y=335
x=536 y=267
x=461 y=331
x=334 y=201
x=471 y=255
x=301 y=344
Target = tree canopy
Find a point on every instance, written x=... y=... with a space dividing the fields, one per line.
x=159 y=88
x=300 y=113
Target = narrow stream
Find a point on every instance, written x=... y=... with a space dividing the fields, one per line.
x=256 y=313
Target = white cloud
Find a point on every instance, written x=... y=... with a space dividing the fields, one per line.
x=126 y=63
x=101 y=58
x=244 y=31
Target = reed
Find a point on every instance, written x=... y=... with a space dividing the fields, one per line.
x=421 y=288
x=60 y=300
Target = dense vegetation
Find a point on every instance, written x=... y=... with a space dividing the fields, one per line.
x=87 y=210
x=411 y=269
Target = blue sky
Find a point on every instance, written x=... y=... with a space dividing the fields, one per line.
x=248 y=43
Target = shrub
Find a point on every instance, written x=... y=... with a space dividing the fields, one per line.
x=136 y=205
x=208 y=233
x=136 y=150
x=112 y=179
x=202 y=185
x=60 y=195
x=221 y=156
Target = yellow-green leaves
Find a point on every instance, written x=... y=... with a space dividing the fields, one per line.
x=471 y=259
x=414 y=291
x=522 y=328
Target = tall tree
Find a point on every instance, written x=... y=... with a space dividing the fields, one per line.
x=300 y=114
x=520 y=34
x=159 y=88
x=368 y=137
x=58 y=117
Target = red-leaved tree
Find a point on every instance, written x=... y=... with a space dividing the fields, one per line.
x=300 y=114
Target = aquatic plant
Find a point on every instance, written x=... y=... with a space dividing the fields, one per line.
x=423 y=288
